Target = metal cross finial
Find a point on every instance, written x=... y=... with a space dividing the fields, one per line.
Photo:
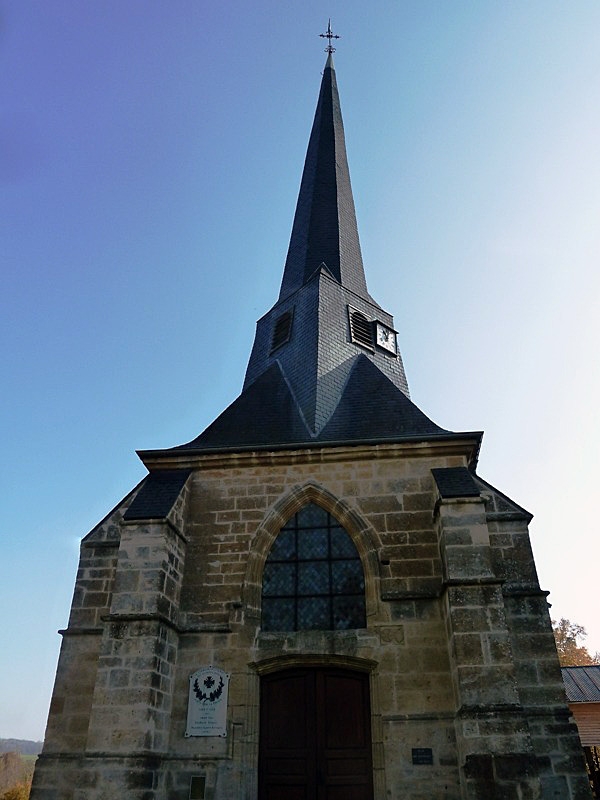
x=329 y=35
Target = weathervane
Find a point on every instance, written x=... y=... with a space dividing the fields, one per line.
x=329 y=35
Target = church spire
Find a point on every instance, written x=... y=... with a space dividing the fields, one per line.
x=324 y=230
x=325 y=367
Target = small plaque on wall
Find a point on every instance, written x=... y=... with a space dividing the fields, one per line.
x=207 y=702
x=422 y=755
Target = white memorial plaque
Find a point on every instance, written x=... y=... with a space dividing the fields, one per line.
x=207 y=702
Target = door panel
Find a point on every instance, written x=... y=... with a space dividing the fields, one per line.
x=348 y=793
x=285 y=792
x=286 y=696
x=315 y=737
x=287 y=759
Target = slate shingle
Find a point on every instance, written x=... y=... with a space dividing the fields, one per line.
x=264 y=414
x=324 y=229
x=455 y=482
x=320 y=386
x=371 y=408
x=157 y=494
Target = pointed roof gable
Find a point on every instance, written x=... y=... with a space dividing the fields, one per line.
x=370 y=409
x=263 y=414
x=324 y=229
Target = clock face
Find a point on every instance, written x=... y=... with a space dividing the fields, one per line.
x=386 y=338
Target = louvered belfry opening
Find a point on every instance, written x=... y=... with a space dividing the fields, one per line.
x=282 y=330
x=361 y=329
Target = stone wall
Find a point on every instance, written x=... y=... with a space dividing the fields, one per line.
x=457 y=645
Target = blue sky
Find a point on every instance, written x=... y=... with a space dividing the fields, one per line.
x=150 y=157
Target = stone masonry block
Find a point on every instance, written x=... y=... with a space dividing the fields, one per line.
x=379 y=505
x=496 y=648
x=485 y=685
x=412 y=567
x=467 y=562
x=423 y=501
x=469 y=648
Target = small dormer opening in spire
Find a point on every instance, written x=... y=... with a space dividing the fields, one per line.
x=282 y=330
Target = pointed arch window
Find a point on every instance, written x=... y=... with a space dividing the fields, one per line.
x=313 y=577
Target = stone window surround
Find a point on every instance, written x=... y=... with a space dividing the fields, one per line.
x=364 y=537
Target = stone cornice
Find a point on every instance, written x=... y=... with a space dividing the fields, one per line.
x=144 y=522
x=455 y=444
x=81 y=631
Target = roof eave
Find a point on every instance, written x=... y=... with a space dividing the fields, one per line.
x=465 y=443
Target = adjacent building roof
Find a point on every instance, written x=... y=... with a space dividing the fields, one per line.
x=582 y=684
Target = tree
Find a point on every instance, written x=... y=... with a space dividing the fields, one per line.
x=570 y=652
x=18 y=792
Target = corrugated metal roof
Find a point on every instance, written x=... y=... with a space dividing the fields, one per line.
x=582 y=684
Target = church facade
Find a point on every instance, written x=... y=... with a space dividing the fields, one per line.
x=318 y=598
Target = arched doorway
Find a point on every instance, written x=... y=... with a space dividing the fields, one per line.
x=315 y=735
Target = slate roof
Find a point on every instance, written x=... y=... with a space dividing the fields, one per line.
x=582 y=684
x=455 y=482
x=263 y=414
x=324 y=229
x=371 y=408
x=157 y=494
x=321 y=385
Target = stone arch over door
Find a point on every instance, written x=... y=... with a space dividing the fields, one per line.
x=364 y=537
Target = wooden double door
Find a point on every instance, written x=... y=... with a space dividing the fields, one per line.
x=315 y=735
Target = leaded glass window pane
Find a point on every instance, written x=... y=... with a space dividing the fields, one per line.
x=313 y=614
x=347 y=577
x=279 y=580
x=312 y=516
x=284 y=546
x=342 y=545
x=279 y=614
x=313 y=543
x=313 y=577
